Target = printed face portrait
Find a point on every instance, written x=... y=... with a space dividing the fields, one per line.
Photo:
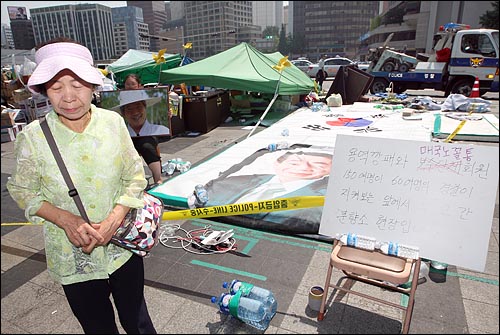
x=135 y=113
x=302 y=166
x=145 y=111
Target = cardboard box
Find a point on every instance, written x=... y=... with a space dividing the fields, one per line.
x=8 y=117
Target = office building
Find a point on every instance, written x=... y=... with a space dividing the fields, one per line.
x=331 y=27
x=267 y=14
x=212 y=25
x=7 y=39
x=155 y=16
x=130 y=31
x=22 y=34
x=89 y=24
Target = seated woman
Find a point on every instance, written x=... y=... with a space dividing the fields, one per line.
x=145 y=135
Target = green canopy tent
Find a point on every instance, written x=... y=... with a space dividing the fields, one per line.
x=142 y=63
x=241 y=68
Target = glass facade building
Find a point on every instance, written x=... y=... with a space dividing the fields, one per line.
x=89 y=24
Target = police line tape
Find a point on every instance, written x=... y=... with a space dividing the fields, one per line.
x=254 y=207
x=455 y=132
x=460 y=125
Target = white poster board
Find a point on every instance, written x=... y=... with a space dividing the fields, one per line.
x=437 y=196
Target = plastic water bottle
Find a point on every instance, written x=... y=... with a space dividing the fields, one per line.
x=250 y=311
x=357 y=241
x=198 y=198
x=184 y=166
x=285 y=132
x=170 y=168
x=253 y=292
x=278 y=146
x=400 y=250
x=201 y=194
x=222 y=302
x=178 y=162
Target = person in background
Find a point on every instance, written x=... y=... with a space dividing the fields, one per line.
x=109 y=176
x=132 y=82
x=145 y=135
x=321 y=75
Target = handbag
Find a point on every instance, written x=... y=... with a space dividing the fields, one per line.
x=139 y=230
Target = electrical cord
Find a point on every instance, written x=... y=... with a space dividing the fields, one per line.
x=176 y=237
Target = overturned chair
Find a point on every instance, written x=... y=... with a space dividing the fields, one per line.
x=374 y=268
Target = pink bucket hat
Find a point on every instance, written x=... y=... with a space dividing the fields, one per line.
x=55 y=57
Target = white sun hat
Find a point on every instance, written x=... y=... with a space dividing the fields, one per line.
x=130 y=96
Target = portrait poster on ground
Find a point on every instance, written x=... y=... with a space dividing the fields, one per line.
x=300 y=170
x=155 y=121
x=437 y=196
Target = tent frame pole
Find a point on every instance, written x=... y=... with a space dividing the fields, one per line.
x=268 y=107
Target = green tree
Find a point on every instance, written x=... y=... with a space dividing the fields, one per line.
x=283 y=45
x=271 y=31
x=375 y=22
x=491 y=17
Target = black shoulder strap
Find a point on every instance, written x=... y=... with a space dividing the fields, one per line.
x=57 y=155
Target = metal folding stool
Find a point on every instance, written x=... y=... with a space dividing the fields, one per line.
x=374 y=268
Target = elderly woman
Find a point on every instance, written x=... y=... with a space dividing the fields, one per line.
x=108 y=174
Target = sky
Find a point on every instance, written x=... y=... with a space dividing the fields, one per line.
x=39 y=4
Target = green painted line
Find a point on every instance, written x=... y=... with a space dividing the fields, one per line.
x=405 y=297
x=404 y=300
x=228 y=270
x=251 y=243
x=465 y=276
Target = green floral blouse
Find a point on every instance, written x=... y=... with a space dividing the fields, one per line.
x=106 y=170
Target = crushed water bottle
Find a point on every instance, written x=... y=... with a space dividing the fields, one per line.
x=178 y=162
x=253 y=292
x=199 y=197
x=250 y=311
x=285 y=132
x=170 y=167
x=184 y=166
x=278 y=146
x=357 y=241
x=397 y=249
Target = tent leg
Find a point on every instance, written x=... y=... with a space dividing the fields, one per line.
x=263 y=115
